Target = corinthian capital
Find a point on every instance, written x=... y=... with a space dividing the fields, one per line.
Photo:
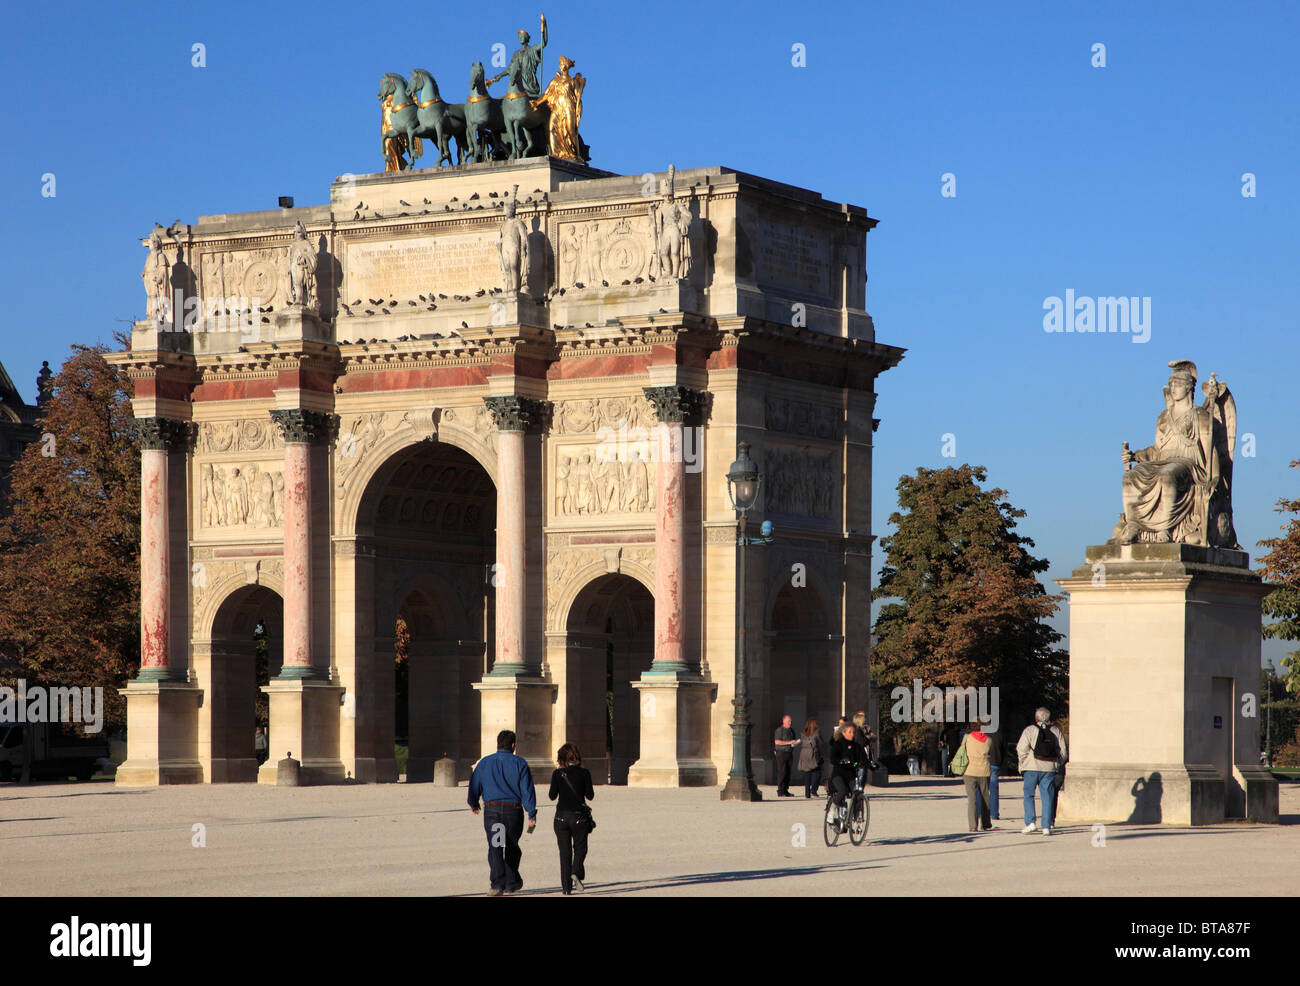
x=675 y=404
x=164 y=434
x=514 y=413
x=300 y=426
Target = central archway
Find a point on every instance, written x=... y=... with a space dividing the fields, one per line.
x=610 y=643
x=428 y=520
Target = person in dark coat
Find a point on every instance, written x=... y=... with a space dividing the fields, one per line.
x=571 y=783
x=812 y=753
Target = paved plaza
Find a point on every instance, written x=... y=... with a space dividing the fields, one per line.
x=396 y=839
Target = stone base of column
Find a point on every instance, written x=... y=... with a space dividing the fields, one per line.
x=233 y=770
x=1163 y=794
x=162 y=738
x=522 y=705
x=419 y=770
x=375 y=770
x=675 y=732
x=304 y=723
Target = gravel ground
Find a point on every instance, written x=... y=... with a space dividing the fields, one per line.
x=94 y=839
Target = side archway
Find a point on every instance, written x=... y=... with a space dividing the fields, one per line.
x=609 y=643
x=802 y=676
x=244 y=649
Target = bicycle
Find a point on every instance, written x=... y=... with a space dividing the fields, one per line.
x=854 y=815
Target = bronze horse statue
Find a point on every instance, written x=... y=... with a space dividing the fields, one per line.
x=523 y=121
x=485 y=125
x=436 y=118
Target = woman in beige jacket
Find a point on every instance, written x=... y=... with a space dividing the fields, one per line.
x=976 y=776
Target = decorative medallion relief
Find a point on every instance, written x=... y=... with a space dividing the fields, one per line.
x=587 y=415
x=249 y=435
x=605 y=250
x=241 y=274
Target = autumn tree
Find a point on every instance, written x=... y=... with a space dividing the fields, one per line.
x=964 y=604
x=1281 y=568
x=69 y=553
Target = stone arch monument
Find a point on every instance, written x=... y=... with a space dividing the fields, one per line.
x=414 y=423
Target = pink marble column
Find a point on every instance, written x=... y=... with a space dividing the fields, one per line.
x=297 y=559
x=513 y=416
x=157 y=438
x=673 y=405
x=301 y=429
x=670 y=549
x=155 y=564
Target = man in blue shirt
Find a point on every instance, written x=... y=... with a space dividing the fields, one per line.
x=505 y=784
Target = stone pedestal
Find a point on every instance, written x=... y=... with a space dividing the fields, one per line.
x=162 y=744
x=1164 y=650
x=675 y=742
x=304 y=717
x=522 y=705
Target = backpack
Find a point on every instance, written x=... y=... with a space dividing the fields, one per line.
x=1046 y=746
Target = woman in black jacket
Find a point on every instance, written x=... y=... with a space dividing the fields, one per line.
x=572 y=784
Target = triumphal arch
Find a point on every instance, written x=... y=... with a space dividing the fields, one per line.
x=499 y=400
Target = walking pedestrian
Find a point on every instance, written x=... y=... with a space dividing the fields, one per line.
x=995 y=763
x=571 y=783
x=812 y=753
x=976 y=776
x=785 y=741
x=505 y=784
x=1041 y=750
x=260 y=747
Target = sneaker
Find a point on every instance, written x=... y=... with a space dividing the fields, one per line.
x=577 y=885
x=831 y=817
x=1028 y=828
x=494 y=892
x=1047 y=831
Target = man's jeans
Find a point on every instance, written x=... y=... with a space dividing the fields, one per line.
x=1043 y=780
x=993 y=794
x=1058 y=782
x=504 y=825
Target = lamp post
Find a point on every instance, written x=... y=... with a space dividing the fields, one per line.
x=743 y=483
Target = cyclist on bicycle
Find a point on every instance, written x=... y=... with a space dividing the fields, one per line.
x=849 y=759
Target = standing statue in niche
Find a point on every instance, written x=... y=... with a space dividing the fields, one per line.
x=302 y=270
x=157 y=280
x=514 y=249
x=670 y=224
x=1180 y=488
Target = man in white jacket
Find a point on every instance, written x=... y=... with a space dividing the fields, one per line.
x=1042 y=753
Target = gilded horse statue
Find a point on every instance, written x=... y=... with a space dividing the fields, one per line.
x=398 y=124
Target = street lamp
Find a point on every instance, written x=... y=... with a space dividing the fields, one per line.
x=743 y=484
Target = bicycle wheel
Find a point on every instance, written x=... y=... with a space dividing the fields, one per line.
x=830 y=831
x=860 y=821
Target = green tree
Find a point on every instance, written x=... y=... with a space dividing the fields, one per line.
x=967 y=608
x=1282 y=569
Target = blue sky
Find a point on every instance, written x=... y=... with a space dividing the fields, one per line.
x=1122 y=180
